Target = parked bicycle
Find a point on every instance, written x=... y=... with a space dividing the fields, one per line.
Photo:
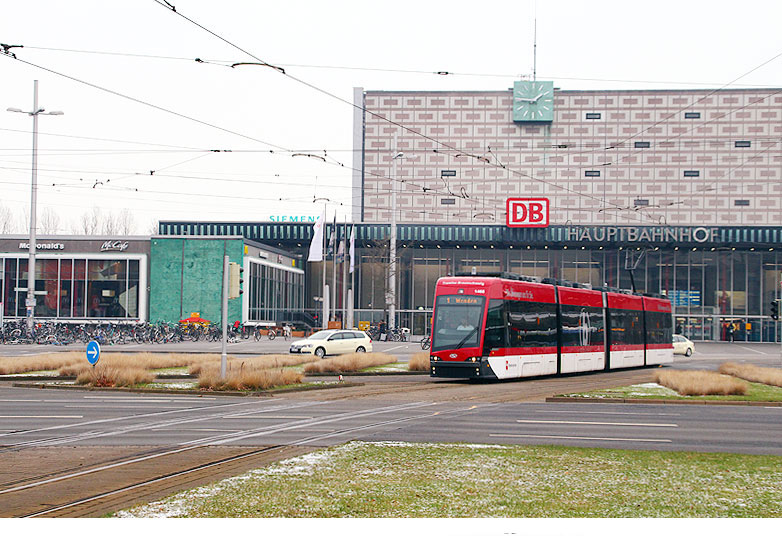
x=426 y=343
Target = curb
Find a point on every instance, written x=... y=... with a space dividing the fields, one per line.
x=561 y=399
x=191 y=377
x=267 y=393
x=363 y=374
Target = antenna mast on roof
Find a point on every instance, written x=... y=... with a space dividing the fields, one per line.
x=535 y=45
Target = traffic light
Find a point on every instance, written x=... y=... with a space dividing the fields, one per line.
x=235 y=280
x=775 y=309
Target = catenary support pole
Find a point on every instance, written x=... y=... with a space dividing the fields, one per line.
x=224 y=349
x=392 y=244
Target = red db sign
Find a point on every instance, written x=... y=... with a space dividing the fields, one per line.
x=527 y=212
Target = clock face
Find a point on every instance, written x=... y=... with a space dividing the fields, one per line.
x=533 y=101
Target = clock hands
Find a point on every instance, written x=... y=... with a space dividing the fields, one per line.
x=533 y=100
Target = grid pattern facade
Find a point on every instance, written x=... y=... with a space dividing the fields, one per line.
x=625 y=157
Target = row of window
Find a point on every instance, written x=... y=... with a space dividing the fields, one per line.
x=687 y=173
x=687 y=115
x=530 y=324
x=642 y=202
x=72 y=288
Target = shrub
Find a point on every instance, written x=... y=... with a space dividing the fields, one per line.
x=247 y=378
x=768 y=376
x=352 y=362
x=419 y=362
x=113 y=376
x=34 y=363
x=263 y=361
x=700 y=383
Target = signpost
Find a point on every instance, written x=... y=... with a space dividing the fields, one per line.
x=93 y=352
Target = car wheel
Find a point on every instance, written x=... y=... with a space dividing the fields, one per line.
x=360 y=349
x=320 y=352
x=688 y=352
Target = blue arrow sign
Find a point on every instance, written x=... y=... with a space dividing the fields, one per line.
x=93 y=352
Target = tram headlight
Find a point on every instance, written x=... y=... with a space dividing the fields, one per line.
x=473 y=359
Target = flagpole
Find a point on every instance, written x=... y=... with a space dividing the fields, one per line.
x=352 y=276
x=333 y=311
x=345 y=274
x=323 y=312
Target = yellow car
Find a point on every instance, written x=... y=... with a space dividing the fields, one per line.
x=333 y=342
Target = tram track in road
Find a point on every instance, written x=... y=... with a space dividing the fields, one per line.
x=535 y=389
x=108 y=491
x=140 y=476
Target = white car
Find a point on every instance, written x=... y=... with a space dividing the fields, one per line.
x=333 y=342
x=682 y=346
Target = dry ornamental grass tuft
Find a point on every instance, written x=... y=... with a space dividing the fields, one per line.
x=240 y=378
x=756 y=374
x=352 y=362
x=700 y=383
x=419 y=362
x=113 y=376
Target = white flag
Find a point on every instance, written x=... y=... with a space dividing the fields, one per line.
x=341 y=251
x=316 y=246
x=333 y=238
x=352 y=246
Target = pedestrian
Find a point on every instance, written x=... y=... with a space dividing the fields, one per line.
x=730 y=332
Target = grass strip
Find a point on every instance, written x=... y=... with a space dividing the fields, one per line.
x=756 y=392
x=361 y=480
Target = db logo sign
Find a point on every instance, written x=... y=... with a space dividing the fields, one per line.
x=527 y=212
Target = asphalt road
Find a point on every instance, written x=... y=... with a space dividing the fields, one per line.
x=32 y=417
x=35 y=418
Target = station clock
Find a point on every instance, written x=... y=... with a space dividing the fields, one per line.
x=533 y=101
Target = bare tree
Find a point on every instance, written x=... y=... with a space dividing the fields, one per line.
x=6 y=220
x=89 y=223
x=153 y=227
x=49 y=221
x=110 y=225
x=126 y=224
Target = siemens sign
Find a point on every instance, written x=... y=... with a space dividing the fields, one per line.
x=651 y=234
x=293 y=218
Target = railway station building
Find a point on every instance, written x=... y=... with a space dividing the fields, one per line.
x=684 y=184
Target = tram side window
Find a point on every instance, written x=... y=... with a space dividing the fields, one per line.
x=496 y=336
x=582 y=326
x=659 y=328
x=531 y=324
x=626 y=327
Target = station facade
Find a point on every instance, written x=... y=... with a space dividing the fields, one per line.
x=683 y=185
x=714 y=276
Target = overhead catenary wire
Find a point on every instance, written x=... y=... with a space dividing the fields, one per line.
x=433 y=71
x=474 y=156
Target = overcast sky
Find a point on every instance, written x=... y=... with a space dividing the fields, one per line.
x=101 y=152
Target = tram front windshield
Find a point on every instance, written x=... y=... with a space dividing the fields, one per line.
x=457 y=322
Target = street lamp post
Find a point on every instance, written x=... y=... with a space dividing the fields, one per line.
x=30 y=302
x=392 y=243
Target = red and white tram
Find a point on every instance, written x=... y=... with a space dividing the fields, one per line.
x=508 y=327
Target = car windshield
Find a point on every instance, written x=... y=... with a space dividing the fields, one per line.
x=321 y=335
